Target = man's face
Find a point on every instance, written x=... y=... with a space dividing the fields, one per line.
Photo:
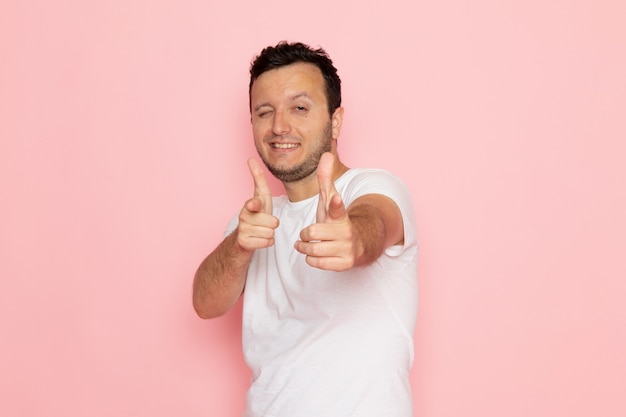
x=290 y=120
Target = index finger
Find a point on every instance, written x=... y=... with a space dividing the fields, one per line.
x=260 y=183
x=325 y=174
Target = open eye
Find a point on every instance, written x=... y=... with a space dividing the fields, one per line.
x=301 y=109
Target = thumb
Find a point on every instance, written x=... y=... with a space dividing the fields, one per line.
x=254 y=205
x=336 y=209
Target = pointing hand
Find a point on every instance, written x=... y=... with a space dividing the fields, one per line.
x=330 y=208
x=330 y=243
x=256 y=222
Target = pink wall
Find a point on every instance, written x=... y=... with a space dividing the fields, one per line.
x=123 y=138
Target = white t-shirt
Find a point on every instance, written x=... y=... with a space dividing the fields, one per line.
x=323 y=343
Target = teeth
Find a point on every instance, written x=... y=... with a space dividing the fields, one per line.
x=284 y=145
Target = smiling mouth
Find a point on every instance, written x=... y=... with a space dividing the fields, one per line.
x=284 y=145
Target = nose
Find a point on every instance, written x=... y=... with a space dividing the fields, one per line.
x=280 y=124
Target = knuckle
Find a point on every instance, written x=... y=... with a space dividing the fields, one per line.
x=312 y=250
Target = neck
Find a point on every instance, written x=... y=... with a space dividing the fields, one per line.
x=309 y=186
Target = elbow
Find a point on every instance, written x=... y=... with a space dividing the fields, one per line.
x=207 y=315
x=210 y=308
x=205 y=311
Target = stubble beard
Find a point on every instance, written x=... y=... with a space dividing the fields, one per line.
x=306 y=168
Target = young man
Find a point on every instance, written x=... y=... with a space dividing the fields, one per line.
x=327 y=272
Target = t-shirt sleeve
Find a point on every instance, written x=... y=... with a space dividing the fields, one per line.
x=232 y=225
x=377 y=181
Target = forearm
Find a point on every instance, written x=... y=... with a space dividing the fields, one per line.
x=377 y=224
x=220 y=278
x=369 y=234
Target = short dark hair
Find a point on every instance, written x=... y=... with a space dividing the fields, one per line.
x=285 y=53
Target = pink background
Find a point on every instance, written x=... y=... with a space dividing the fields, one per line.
x=123 y=137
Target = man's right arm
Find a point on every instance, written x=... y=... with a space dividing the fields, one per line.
x=221 y=277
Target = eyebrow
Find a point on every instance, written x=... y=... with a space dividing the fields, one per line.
x=303 y=94
x=292 y=98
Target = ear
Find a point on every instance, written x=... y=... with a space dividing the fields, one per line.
x=335 y=122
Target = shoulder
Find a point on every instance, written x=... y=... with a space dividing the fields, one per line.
x=360 y=181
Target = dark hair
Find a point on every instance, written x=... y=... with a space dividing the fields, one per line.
x=285 y=53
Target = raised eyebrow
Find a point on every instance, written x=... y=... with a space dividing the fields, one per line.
x=301 y=95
